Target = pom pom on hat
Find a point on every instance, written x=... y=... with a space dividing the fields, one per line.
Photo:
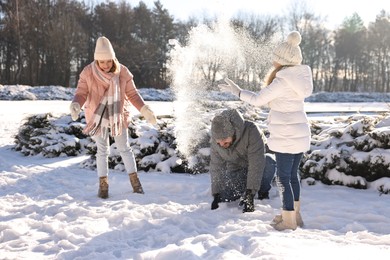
x=294 y=38
x=289 y=52
x=103 y=49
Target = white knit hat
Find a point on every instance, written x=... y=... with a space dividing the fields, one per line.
x=288 y=52
x=103 y=49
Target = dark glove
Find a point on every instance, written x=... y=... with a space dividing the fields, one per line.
x=217 y=199
x=248 y=202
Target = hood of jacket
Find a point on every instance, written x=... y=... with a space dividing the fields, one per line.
x=228 y=123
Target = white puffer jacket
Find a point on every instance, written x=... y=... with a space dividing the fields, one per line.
x=287 y=122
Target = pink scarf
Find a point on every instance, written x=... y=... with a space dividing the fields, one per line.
x=107 y=115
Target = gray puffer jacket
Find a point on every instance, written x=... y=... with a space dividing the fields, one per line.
x=244 y=159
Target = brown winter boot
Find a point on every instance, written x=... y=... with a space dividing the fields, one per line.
x=135 y=183
x=103 y=187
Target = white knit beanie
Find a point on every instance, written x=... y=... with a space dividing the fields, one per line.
x=103 y=49
x=288 y=52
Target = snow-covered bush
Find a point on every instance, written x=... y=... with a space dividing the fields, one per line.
x=352 y=151
x=51 y=137
x=155 y=149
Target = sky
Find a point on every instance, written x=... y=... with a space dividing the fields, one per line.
x=334 y=10
x=49 y=209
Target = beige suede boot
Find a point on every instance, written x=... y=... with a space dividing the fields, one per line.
x=289 y=221
x=297 y=209
x=277 y=219
x=103 y=187
x=135 y=183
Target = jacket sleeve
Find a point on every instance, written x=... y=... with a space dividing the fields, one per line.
x=256 y=158
x=294 y=82
x=82 y=90
x=131 y=90
x=266 y=95
x=217 y=168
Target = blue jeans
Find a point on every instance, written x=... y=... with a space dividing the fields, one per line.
x=288 y=179
x=234 y=181
x=268 y=174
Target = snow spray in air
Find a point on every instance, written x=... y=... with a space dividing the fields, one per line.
x=210 y=54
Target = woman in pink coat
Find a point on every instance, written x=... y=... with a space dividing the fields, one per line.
x=287 y=86
x=106 y=90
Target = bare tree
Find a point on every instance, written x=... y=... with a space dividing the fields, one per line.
x=55 y=47
x=378 y=45
x=350 y=40
x=10 y=41
x=316 y=45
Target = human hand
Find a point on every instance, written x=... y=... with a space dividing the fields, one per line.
x=230 y=87
x=74 y=110
x=148 y=114
x=248 y=202
x=217 y=199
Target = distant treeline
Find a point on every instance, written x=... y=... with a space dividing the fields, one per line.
x=48 y=42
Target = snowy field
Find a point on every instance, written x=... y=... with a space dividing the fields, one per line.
x=49 y=210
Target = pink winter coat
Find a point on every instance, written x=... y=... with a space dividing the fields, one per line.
x=90 y=91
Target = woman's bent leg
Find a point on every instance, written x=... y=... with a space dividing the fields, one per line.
x=125 y=151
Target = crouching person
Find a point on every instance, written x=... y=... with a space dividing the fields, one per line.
x=106 y=90
x=239 y=167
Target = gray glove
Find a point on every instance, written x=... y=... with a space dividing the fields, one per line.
x=230 y=87
x=75 y=110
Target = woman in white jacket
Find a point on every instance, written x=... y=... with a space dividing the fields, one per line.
x=286 y=88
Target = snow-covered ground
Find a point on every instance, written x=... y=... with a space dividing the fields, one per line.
x=49 y=210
